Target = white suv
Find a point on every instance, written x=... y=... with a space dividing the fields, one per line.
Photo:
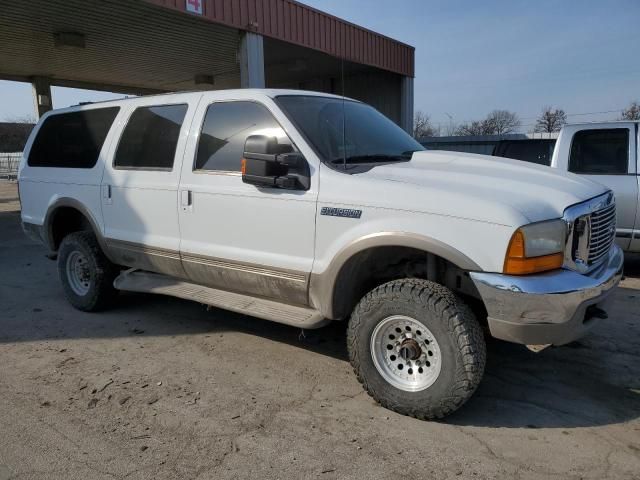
x=303 y=208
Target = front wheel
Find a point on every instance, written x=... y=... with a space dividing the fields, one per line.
x=416 y=348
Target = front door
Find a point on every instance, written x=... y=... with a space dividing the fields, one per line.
x=236 y=236
x=140 y=185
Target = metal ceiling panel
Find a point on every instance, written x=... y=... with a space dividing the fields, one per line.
x=127 y=43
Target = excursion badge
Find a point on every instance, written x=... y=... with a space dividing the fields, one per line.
x=341 y=212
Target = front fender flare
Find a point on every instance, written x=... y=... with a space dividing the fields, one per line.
x=322 y=285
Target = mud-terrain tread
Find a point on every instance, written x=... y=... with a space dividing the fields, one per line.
x=460 y=322
x=105 y=272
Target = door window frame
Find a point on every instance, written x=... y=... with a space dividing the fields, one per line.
x=631 y=149
x=199 y=133
x=126 y=124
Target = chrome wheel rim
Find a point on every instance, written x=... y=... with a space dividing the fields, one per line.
x=78 y=273
x=406 y=353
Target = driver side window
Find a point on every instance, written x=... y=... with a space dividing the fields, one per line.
x=226 y=127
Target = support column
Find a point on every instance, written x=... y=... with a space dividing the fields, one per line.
x=41 y=87
x=406 y=104
x=251 y=57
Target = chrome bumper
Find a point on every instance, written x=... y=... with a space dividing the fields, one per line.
x=551 y=308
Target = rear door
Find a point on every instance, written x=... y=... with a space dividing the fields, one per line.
x=140 y=184
x=606 y=154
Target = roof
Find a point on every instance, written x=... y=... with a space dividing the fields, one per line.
x=603 y=121
x=237 y=93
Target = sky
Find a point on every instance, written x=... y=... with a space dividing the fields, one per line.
x=476 y=56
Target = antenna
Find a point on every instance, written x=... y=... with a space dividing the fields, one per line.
x=344 y=119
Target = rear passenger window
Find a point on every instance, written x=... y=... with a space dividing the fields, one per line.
x=72 y=140
x=600 y=152
x=226 y=127
x=150 y=138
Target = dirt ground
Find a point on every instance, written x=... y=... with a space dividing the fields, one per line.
x=160 y=388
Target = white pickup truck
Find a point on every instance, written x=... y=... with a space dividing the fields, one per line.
x=303 y=208
x=606 y=152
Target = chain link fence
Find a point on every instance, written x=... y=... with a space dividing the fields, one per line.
x=9 y=165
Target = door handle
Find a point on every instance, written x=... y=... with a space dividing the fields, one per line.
x=186 y=199
x=106 y=194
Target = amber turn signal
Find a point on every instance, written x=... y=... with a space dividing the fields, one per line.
x=517 y=263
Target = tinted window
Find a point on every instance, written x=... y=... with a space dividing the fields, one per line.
x=533 y=151
x=600 y=152
x=339 y=128
x=72 y=140
x=150 y=138
x=226 y=127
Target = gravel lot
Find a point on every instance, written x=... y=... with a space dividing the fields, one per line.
x=161 y=388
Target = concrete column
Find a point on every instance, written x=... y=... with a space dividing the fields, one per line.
x=251 y=57
x=41 y=87
x=406 y=104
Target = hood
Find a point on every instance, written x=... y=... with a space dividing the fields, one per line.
x=482 y=187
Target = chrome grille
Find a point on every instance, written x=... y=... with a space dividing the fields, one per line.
x=591 y=230
x=603 y=232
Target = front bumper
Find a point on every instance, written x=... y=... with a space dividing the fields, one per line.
x=550 y=308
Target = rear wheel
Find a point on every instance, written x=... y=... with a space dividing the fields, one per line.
x=85 y=272
x=416 y=348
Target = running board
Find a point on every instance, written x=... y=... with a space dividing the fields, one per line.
x=146 y=282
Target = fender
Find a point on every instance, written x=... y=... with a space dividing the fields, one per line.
x=322 y=285
x=47 y=226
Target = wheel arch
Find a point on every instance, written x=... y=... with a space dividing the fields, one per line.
x=325 y=288
x=66 y=215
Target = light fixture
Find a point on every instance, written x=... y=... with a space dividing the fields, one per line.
x=203 y=79
x=69 y=40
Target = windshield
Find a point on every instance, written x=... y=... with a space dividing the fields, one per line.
x=369 y=136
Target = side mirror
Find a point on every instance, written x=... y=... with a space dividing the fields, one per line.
x=266 y=163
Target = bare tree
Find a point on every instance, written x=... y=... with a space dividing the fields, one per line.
x=27 y=118
x=550 y=120
x=500 y=122
x=422 y=126
x=474 y=128
x=632 y=112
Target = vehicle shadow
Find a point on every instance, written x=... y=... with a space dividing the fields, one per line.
x=589 y=383
x=583 y=384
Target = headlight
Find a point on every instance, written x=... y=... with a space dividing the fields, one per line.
x=536 y=248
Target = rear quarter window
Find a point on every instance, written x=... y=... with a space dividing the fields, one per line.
x=72 y=140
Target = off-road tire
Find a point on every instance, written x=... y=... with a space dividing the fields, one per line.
x=454 y=327
x=102 y=272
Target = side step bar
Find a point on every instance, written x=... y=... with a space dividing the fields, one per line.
x=147 y=282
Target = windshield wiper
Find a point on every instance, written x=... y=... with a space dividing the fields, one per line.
x=371 y=158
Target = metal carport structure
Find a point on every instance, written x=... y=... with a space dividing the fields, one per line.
x=147 y=46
